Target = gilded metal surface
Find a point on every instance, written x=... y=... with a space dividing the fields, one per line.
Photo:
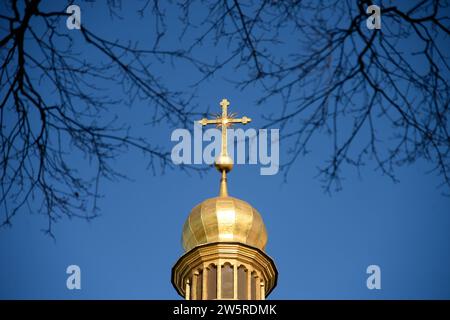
x=224 y=219
x=220 y=253
x=224 y=230
x=224 y=121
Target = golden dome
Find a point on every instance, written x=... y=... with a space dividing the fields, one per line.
x=224 y=219
x=225 y=239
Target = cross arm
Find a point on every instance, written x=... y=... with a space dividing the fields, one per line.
x=205 y=121
x=243 y=120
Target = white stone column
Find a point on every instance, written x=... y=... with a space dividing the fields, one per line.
x=249 y=285
x=235 y=281
x=258 y=291
x=219 y=280
x=204 y=284
x=194 y=285
x=262 y=294
x=187 y=294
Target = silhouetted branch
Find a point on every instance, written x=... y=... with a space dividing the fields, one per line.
x=342 y=79
x=45 y=128
x=382 y=96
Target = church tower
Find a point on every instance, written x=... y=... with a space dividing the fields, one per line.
x=224 y=239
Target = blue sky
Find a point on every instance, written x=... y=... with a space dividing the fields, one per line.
x=321 y=244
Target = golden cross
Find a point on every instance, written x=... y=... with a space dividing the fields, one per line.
x=224 y=121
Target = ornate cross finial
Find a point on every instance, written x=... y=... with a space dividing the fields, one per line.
x=223 y=162
x=224 y=103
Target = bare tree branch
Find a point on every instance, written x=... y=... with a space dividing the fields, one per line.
x=382 y=96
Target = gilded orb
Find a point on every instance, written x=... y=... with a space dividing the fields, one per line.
x=224 y=163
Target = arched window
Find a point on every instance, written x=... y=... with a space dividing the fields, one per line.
x=242 y=283
x=212 y=282
x=253 y=285
x=227 y=281
x=199 y=284
x=192 y=286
